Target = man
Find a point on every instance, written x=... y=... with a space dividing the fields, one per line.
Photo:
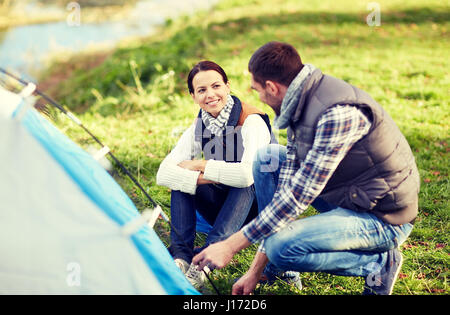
x=344 y=156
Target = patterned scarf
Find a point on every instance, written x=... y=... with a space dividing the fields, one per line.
x=217 y=125
x=290 y=100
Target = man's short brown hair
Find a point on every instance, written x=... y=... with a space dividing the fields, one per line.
x=275 y=61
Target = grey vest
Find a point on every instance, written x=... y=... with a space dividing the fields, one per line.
x=379 y=173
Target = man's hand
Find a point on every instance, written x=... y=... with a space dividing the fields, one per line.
x=247 y=283
x=218 y=255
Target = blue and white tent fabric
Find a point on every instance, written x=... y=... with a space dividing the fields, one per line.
x=62 y=218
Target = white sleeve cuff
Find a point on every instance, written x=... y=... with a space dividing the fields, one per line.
x=177 y=178
x=189 y=184
x=212 y=170
x=261 y=247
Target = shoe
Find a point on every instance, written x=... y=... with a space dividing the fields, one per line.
x=383 y=282
x=182 y=264
x=290 y=277
x=197 y=277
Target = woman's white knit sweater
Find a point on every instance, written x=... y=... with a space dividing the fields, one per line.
x=255 y=135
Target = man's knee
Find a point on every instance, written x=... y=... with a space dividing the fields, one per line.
x=283 y=248
x=276 y=247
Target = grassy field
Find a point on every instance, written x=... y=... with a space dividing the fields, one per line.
x=135 y=99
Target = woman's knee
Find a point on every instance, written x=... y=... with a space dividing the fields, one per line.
x=178 y=197
x=268 y=158
x=260 y=157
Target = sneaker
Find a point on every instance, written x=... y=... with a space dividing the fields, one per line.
x=269 y=277
x=182 y=264
x=383 y=282
x=197 y=277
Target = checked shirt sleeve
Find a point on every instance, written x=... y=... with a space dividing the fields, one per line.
x=289 y=166
x=338 y=129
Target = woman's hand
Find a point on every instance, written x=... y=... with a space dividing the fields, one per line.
x=202 y=181
x=198 y=166
x=193 y=165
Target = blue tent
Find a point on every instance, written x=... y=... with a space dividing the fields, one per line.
x=62 y=218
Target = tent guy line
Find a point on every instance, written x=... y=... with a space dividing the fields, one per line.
x=147 y=215
x=78 y=122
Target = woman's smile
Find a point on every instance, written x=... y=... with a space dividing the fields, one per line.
x=213 y=102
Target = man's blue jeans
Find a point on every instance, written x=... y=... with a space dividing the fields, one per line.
x=225 y=208
x=337 y=240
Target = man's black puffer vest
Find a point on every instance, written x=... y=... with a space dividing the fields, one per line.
x=379 y=173
x=229 y=146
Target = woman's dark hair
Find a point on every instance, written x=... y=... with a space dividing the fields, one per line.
x=205 y=66
x=275 y=61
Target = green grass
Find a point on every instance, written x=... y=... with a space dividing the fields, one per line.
x=137 y=102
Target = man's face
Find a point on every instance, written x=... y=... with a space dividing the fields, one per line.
x=267 y=96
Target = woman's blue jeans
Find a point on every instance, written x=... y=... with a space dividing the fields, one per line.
x=337 y=240
x=225 y=208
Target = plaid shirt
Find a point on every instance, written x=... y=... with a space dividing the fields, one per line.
x=338 y=129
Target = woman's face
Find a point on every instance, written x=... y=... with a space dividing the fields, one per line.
x=210 y=91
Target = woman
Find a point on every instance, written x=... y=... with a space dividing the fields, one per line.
x=210 y=168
